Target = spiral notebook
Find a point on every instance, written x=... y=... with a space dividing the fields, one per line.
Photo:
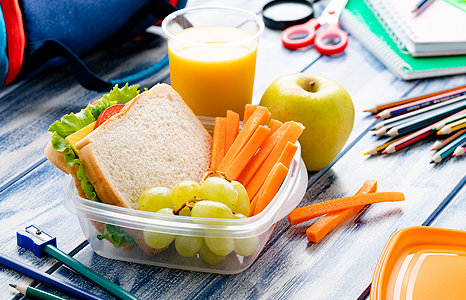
x=439 y=30
x=359 y=20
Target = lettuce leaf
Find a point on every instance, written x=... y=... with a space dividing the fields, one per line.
x=117 y=236
x=86 y=185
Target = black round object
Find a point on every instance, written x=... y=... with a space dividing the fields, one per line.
x=281 y=14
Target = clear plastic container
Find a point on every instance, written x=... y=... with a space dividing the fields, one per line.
x=261 y=226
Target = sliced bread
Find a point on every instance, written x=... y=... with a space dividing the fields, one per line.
x=156 y=140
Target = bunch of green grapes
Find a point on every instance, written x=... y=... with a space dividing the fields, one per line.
x=215 y=198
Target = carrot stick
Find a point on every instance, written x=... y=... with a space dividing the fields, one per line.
x=270 y=187
x=253 y=205
x=291 y=134
x=306 y=213
x=274 y=125
x=259 y=117
x=332 y=220
x=232 y=129
x=285 y=159
x=288 y=153
x=256 y=162
x=248 y=111
x=218 y=143
x=240 y=162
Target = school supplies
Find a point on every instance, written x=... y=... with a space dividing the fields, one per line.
x=421 y=6
x=373 y=150
x=359 y=20
x=439 y=145
x=375 y=109
x=459 y=150
x=449 y=97
x=438 y=115
x=410 y=139
x=40 y=243
x=47 y=278
x=447 y=150
x=417 y=33
x=330 y=17
x=34 y=293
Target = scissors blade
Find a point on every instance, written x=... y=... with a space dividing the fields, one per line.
x=332 y=12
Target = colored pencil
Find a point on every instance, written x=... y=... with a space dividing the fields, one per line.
x=439 y=145
x=447 y=150
x=47 y=279
x=410 y=139
x=448 y=129
x=397 y=110
x=459 y=115
x=34 y=293
x=373 y=150
x=421 y=6
x=444 y=112
x=458 y=151
x=379 y=108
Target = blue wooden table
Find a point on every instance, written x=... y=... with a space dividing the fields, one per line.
x=338 y=267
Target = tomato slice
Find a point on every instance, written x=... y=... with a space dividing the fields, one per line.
x=107 y=113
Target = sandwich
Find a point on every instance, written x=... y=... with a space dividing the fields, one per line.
x=154 y=140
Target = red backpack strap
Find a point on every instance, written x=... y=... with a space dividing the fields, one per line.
x=15 y=37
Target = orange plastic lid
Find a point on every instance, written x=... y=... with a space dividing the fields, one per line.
x=422 y=263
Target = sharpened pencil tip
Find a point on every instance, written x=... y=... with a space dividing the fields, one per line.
x=384 y=152
x=414 y=9
x=432 y=149
x=439 y=132
x=364 y=110
x=432 y=162
x=453 y=155
x=366 y=153
x=377 y=116
x=13 y=285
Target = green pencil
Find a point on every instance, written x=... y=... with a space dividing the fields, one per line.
x=34 y=293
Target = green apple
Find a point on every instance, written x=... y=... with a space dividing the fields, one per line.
x=323 y=106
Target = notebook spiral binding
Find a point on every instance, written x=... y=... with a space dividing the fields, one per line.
x=391 y=26
x=377 y=47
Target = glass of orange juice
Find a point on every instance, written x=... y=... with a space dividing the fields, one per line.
x=212 y=54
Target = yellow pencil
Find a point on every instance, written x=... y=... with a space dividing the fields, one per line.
x=374 y=150
x=449 y=129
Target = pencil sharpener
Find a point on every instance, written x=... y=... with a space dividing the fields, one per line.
x=34 y=239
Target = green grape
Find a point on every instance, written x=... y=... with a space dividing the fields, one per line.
x=209 y=256
x=185 y=212
x=220 y=190
x=158 y=240
x=184 y=191
x=246 y=246
x=220 y=246
x=211 y=209
x=188 y=245
x=243 y=205
x=154 y=199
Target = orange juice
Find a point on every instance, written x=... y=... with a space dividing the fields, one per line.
x=216 y=77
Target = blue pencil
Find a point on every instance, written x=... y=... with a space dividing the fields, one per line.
x=421 y=5
x=47 y=279
x=447 y=150
x=427 y=119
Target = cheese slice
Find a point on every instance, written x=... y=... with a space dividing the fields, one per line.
x=79 y=135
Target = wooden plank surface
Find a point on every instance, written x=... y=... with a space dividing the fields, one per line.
x=339 y=267
x=37 y=198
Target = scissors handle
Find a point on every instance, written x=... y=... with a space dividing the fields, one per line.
x=331 y=31
x=308 y=28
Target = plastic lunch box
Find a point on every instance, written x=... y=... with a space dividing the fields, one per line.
x=289 y=195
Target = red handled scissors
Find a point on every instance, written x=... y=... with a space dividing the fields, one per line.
x=329 y=16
